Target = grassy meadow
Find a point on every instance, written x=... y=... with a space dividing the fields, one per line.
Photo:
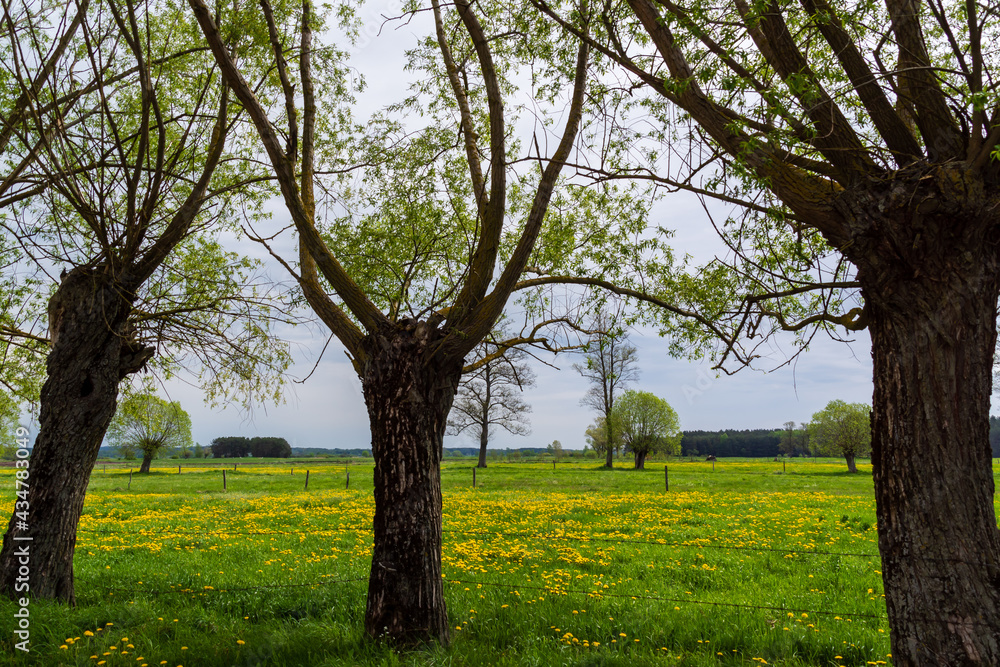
x=745 y=564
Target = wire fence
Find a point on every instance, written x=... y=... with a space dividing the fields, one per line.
x=555 y=590
x=511 y=585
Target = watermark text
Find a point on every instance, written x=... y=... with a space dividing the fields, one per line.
x=22 y=619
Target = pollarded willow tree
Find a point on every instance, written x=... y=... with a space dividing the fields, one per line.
x=841 y=429
x=647 y=424
x=445 y=227
x=145 y=423
x=121 y=172
x=22 y=336
x=867 y=131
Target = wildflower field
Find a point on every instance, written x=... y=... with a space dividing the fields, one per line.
x=571 y=564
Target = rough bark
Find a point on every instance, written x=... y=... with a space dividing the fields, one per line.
x=851 y=464
x=409 y=392
x=147 y=459
x=931 y=277
x=91 y=352
x=640 y=460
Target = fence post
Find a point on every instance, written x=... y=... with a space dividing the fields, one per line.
x=473 y=477
x=782 y=466
x=666 y=478
x=713 y=466
x=130 y=478
x=234 y=467
x=348 y=485
x=292 y=471
x=178 y=468
x=223 y=479
x=307 y=480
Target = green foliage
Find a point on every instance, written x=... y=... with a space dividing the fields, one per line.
x=841 y=429
x=206 y=310
x=647 y=423
x=147 y=424
x=597 y=437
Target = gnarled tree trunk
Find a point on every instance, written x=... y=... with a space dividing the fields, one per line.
x=147 y=459
x=640 y=460
x=931 y=281
x=852 y=465
x=91 y=353
x=409 y=393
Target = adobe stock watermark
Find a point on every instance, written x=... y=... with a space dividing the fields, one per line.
x=22 y=620
x=703 y=381
x=373 y=21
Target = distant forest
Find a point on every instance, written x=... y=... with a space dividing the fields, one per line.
x=757 y=443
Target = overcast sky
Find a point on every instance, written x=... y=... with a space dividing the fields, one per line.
x=328 y=410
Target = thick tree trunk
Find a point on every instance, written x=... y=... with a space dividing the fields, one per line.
x=90 y=354
x=930 y=281
x=640 y=460
x=146 y=460
x=409 y=395
x=851 y=465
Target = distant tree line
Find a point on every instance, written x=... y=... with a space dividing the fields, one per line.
x=237 y=446
x=757 y=442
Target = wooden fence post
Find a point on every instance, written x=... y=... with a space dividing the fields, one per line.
x=130 y=478
x=782 y=466
x=223 y=479
x=348 y=485
x=713 y=466
x=307 y=480
x=178 y=468
x=473 y=477
x=666 y=478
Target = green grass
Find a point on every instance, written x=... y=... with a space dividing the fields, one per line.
x=576 y=565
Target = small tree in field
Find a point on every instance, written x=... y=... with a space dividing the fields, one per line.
x=609 y=366
x=148 y=424
x=842 y=429
x=490 y=396
x=647 y=424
